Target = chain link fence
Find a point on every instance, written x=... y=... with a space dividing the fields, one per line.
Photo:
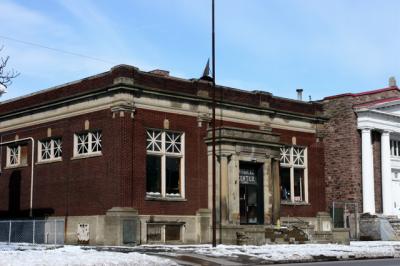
x=32 y=231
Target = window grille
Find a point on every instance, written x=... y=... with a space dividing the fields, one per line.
x=17 y=155
x=293 y=174
x=50 y=149
x=165 y=163
x=88 y=143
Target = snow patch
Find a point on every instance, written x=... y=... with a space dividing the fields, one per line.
x=26 y=255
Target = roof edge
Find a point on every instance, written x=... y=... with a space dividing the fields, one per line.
x=360 y=93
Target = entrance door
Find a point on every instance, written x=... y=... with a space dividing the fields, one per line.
x=251 y=193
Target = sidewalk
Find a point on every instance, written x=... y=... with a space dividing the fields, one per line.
x=28 y=254
x=273 y=254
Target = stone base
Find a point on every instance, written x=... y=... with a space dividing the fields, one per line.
x=204 y=226
x=341 y=236
x=290 y=234
x=242 y=234
x=375 y=228
x=122 y=227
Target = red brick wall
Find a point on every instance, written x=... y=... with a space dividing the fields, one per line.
x=91 y=186
x=342 y=143
x=78 y=187
x=376 y=147
x=196 y=173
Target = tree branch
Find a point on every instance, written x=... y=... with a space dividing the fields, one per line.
x=6 y=76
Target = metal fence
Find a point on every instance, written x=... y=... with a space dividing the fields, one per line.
x=32 y=231
x=345 y=215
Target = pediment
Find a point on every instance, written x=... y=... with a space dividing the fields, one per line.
x=391 y=109
x=389 y=106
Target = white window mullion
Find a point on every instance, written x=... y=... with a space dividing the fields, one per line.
x=51 y=149
x=39 y=151
x=90 y=137
x=75 y=145
x=182 y=177
x=163 y=165
x=306 y=175
x=291 y=175
x=8 y=163
x=19 y=155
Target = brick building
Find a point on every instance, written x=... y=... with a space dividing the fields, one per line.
x=361 y=140
x=132 y=149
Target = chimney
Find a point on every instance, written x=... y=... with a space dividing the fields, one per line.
x=392 y=82
x=299 y=94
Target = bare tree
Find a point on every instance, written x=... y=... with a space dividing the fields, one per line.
x=6 y=76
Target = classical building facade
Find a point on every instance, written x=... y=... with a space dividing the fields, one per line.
x=128 y=153
x=359 y=142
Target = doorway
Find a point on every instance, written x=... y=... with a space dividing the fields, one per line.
x=251 y=193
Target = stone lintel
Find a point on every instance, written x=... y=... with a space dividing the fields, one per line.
x=245 y=136
x=122 y=211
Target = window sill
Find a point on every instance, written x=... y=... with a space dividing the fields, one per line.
x=289 y=203
x=154 y=198
x=15 y=166
x=48 y=161
x=84 y=156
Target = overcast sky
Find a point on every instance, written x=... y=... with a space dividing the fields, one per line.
x=325 y=47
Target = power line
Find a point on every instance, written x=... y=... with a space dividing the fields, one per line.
x=58 y=50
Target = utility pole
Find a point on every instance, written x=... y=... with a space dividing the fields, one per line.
x=214 y=232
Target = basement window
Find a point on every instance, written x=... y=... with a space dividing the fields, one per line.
x=293 y=174
x=154 y=232
x=165 y=164
x=172 y=232
x=164 y=232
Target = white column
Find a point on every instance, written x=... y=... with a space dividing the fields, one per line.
x=368 y=192
x=386 y=174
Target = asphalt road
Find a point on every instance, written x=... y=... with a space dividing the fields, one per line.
x=380 y=262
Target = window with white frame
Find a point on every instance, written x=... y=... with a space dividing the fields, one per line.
x=395 y=148
x=87 y=143
x=165 y=163
x=17 y=155
x=293 y=174
x=50 y=149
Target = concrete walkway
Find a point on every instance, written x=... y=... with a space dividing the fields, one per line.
x=267 y=254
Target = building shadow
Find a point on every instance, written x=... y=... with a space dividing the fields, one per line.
x=14 y=201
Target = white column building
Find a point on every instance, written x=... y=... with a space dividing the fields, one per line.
x=385 y=119
x=367 y=165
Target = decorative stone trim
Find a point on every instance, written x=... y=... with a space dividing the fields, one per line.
x=122 y=108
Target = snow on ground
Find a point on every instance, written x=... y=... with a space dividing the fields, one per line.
x=303 y=252
x=25 y=254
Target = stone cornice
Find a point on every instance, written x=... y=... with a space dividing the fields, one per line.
x=374 y=119
x=244 y=136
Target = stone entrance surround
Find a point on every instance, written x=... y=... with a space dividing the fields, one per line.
x=234 y=145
